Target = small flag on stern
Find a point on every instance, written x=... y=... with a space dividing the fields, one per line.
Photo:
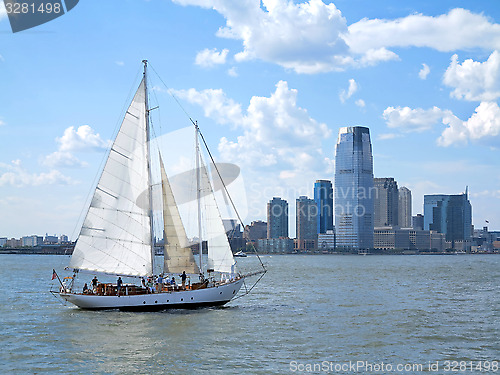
x=54 y=274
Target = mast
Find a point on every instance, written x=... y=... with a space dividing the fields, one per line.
x=148 y=161
x=198 y=192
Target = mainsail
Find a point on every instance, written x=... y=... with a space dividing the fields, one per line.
x=178 y=256
x=116 y=234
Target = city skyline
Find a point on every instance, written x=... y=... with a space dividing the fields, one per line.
x=269 y=83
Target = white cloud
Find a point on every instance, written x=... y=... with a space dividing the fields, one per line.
x=215 y=104
x=457 y=30
x=2 y=123
x=81 y=139
x=313 y=37
x=305 y=37
x=473 y=80
x=119 y=63
x=16 y=175
x=353 y=87
x=374 y=56
x=360 y=103
x=424 y=72
x=408 y=120
x=275 y=130
x=210 y=57
x=483 y=125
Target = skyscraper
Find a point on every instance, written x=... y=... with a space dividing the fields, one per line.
x=306 y=219
x=354 y=188
x=404 y=207
x=386 y=202
x=323 y=196
x=450 y=215
x=277 y=218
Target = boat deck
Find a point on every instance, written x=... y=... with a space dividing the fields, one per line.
x=109 y=289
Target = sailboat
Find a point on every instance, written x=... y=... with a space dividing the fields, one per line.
x=117 y=235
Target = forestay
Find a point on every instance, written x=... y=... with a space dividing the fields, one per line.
x=116 y=233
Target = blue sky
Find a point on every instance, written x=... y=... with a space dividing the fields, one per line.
x=269 y=82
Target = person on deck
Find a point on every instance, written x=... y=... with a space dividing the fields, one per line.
x=160 y=283
x=94 y=283
x=119 y=283
x=172 y=282
x=183 y=278
x=85 y=289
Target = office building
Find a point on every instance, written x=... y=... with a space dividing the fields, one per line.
x=450 y=215
x=386 y=202
x=354 y=188
x=404 y=208
x=306 y=220
x=323 y=196
x=417 y=221
x=255 y=231
x=277 y=218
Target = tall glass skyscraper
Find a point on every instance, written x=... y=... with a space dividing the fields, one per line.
x=354 y=190
x=323 y=196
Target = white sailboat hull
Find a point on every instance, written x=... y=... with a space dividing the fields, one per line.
x=188 y=299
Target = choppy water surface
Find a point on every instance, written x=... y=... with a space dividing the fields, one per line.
x=307 y=309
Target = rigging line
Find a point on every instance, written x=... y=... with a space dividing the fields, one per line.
x=173 y=96
x=227 y=192
x=249 y=290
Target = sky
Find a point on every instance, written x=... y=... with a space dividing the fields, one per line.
x=270 y=83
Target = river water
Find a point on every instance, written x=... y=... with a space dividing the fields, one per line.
x=309 y=314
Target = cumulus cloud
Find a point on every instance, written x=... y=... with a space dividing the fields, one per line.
x=75 y=140
x=424 y=72
x=407 y=119
x=482 y=127
x=473 y=80
x=15 y=175
x=305 y=37
x=2 y=123
x=353 y=87
x=210 y=57
x=276 y=131
x=313 y=37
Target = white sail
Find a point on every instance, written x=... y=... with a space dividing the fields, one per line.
x=220 y=256
x=178 y=256
x=116 y=234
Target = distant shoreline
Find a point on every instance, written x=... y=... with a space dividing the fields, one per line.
x=68 y=250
